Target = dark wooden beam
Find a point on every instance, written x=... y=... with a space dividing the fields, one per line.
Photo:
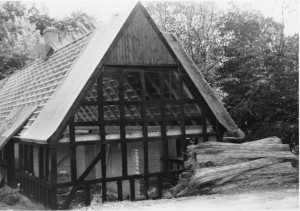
x=122 y=124
x=21 y=164
x=53 y=177
x=73 y=162
x=25 y=154
x=9 y=156
x=141 y=66
x=47 y=163
x=41 y=162
x=160 y=184
x=163 y=123
x=81 y=179
x=145 y=134
x=204 y=124
x=87 y=195
x=30 y=160
x=132 y=189
x=101 y=124
x=182 y=115
x=120 y=190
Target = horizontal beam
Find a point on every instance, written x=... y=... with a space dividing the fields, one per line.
x=152 y=66
x=117 y=102
x=128 y=140
x=139 y=121
x=114 y=179
x=37 y=180
x=135 y=102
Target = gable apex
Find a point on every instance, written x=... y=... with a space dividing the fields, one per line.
x=140 y=43
x=103 y=46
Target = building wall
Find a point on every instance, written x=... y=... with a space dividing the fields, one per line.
x=135 y=162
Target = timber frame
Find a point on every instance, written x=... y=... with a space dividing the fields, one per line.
x=149 y=87
x=44 y=188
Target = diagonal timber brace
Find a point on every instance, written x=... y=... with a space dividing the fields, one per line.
x=82 y=177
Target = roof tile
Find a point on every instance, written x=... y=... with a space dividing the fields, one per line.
x=36 y=83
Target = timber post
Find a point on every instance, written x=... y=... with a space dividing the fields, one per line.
x=53 y=177
x=9 y=154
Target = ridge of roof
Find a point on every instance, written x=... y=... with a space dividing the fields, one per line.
x=204 y=88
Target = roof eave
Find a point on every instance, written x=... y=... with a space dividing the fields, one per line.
x=220 y=112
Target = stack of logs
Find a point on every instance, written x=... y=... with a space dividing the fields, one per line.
x=214 y=167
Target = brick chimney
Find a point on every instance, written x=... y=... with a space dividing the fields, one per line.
x=50 y=35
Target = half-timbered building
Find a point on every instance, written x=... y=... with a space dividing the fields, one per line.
x=112 y=111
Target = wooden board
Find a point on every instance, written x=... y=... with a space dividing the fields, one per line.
x=140 y=45
x=13 y=123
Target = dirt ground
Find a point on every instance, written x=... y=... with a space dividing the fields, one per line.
x=264 y=198
x=276 y=198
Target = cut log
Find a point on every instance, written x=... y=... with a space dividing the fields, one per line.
x=215 y=147
x=226 y=179
x=279 y=169
x=273 y=180
x=275 y=141
x=263 y=180
x=217 y=160
x=223 y=188
x=233 y=154
x=276 y=170
x=203 y=176
x=183 y=192
x=256 y=163
x=256 y=182
x=182 y=184
x=186 y=175
x=270 y=140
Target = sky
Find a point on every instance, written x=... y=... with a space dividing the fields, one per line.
x=103 y=9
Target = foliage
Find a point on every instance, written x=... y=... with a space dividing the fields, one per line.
x=20 y=30
x=260 y=75
x=18 y=38
x=74 y=23
x=250 y=64
x=194 y=24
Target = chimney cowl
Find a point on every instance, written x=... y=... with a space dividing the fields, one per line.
x=50 y=29
x=50 y=35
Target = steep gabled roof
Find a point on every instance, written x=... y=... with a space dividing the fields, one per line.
x=35 y=84
x=74 y=72
x=207 y=93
